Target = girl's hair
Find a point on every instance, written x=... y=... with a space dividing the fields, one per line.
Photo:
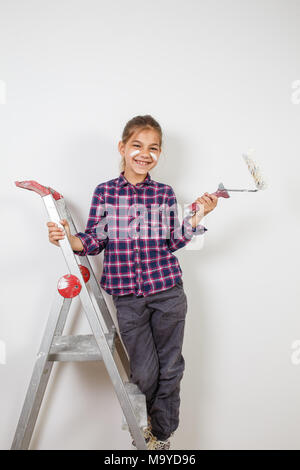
x=139 y=123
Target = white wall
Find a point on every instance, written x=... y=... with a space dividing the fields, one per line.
x=218 y=76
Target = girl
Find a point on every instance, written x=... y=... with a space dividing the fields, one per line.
x=141 y=272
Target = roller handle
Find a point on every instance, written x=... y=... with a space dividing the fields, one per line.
x=221 y=192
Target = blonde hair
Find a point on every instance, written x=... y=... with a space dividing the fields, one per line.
x=139 y=123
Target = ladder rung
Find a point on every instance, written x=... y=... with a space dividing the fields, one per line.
x=77 y=348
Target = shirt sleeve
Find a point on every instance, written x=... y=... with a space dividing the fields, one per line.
x=180 y=233
x=93 y=238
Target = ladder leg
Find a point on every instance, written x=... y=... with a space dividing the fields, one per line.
x=112 y=370
x=40 y=375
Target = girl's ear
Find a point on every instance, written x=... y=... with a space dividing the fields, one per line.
x=121 y=147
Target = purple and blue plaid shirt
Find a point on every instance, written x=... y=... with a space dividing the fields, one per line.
x=138 y=256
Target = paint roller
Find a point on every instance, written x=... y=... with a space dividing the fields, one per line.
x=255 y=172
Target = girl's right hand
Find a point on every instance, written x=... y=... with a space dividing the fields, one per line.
x=56 y=233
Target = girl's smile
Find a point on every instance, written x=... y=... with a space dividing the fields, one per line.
x=141 y=162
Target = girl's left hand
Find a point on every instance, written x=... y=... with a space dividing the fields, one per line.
x=209 y=202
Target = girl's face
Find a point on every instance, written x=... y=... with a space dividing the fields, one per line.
x=141 y=152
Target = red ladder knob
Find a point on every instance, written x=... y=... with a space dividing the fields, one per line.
x=69 y=286
x=85 y=273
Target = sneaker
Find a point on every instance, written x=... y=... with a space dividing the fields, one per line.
x=147 y=434
x=156 y=444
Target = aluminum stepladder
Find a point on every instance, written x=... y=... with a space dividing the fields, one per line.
x=100 y=345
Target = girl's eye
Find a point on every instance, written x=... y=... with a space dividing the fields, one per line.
x=153 y=148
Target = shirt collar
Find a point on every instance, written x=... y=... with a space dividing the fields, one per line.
x=122 y=181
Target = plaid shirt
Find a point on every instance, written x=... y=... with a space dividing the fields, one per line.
x=143 y=263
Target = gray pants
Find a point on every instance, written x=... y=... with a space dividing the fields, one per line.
x=152 y=330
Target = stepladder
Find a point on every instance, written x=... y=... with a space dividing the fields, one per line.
x=103 y=344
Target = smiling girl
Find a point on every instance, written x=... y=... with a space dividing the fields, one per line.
x=141 y=272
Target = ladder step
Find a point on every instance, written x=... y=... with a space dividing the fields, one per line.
x=138 y=401
x=79 y=348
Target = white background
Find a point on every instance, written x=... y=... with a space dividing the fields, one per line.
x=218 y=76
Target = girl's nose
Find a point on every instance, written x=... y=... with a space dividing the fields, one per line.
x=145 y=155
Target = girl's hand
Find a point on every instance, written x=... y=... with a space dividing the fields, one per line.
x=209 y=202
x=56 y=233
